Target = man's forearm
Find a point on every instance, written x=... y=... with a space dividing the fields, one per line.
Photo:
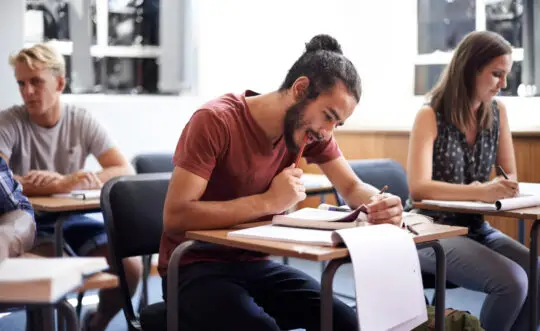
x=31 y=190
x=360 y=193
x=205 y=215
x=111 y=172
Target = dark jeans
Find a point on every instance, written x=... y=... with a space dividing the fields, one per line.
x=81 y=232
x=249 y=296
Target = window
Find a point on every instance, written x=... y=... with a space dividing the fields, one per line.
x=443 y=23
x=123 y=41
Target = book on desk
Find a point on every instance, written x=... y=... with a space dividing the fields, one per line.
x=45 y=280
x=312 y=225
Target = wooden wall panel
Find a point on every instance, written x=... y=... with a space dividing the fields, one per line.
x=394 y=145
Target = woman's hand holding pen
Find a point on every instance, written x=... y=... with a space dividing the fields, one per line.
x=499 y=188
x=286 y=190
x=385 y=208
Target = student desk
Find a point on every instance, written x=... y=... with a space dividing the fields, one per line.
x=40 y=316
x=63 y=208
x=532 y=213
x=336 y=257
x=317 y=184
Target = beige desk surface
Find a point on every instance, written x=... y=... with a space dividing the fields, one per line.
x=531 y=213
x=53 y=204
x=99 y=281
x=316 y=183
x=308 y=252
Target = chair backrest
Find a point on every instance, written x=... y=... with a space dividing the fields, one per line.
x=133 y=213
x=381 y=172
x=152 y=163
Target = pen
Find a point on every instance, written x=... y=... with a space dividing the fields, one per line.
x=501 y=170
x=413 y=231
x=383 y=189
x=324 y=206
x=299 y=156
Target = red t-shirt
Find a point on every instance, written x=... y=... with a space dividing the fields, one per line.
x=223 y=144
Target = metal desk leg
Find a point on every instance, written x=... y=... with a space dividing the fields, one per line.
x=59 y=235
x=172 y=284
x=327 y=300
x=48 y=318
x=147 y=265
x=32 y=318
x=521 y=231
x=533 y=276
x=67 y=312
x=440 y=282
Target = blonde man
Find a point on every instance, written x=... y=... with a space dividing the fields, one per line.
x=46 y=144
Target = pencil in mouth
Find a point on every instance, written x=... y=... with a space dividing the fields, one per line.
x=299 y=156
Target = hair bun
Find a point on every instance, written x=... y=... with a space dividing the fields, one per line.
x=323 y=42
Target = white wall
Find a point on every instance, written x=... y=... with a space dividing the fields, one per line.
x=11 y=15
x=251 y=44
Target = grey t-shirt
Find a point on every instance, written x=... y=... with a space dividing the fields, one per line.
x=62 y=148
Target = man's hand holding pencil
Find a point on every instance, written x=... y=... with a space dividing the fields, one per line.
x=385 y=208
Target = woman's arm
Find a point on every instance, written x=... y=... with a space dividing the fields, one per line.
x=505 y=151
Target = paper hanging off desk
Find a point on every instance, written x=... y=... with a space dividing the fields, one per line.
x=388 y=281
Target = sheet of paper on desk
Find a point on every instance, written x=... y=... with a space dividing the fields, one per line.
x=80 y=194
x=529 y=188
x=288 y=234
x=388 y=281
x=523 y=201
x=314 y=181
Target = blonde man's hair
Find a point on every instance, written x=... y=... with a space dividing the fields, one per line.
x=44 y=55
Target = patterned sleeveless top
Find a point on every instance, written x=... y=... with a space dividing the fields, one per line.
x=457 y=162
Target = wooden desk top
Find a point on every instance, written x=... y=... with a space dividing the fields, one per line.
x=307 y=252
x=99 y=281
x=55 y=205
x=317 y=184
x=530 y=213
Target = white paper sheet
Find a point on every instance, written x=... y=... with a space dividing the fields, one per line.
x=388 y=281
x=80 y=194
x=523 y=201
x=287 y=234
x=529 y=188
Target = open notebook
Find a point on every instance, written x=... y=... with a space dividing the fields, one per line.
x=320 y=218
x=28 y=280
x=523 y=201
x=80 y=194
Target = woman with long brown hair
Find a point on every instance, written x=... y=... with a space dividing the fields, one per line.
x=457 y=138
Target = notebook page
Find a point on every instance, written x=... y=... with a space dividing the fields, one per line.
x=316 y=214
x=288 y=234
x=520 y=202
x=385 y=263
x=472 y=205
x=529 y=189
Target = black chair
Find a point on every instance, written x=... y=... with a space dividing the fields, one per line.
x=153 y=162
x=381 y=172
x=148 y=164
x=133 y=212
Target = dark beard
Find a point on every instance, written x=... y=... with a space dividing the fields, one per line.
x=292 y=122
